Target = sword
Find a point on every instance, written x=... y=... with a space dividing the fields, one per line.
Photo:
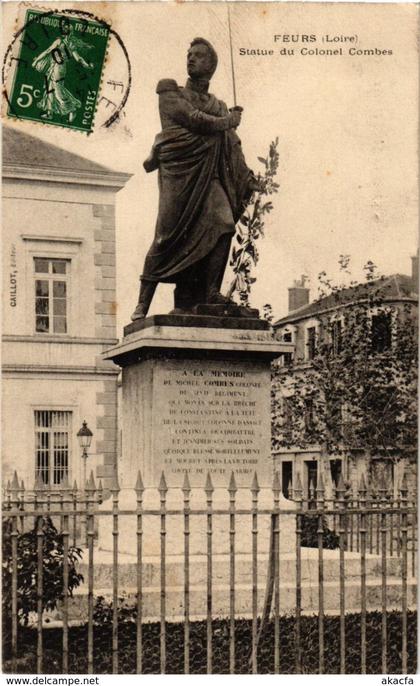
x=235 y=107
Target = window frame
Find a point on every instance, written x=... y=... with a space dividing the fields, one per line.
x=385 y=313
x=49 y=247
x=37 y=429
x=50 y=277
x=310 y=324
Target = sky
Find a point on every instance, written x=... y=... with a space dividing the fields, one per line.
x=347 y=129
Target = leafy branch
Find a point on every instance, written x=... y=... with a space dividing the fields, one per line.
x=251 y=226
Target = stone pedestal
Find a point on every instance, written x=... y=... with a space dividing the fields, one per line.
x=196 y=401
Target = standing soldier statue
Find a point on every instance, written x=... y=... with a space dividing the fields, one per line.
x=204 y=184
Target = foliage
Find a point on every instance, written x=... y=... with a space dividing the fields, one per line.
x=268 y=313
x=175 y=641
x=251 y=226
x=359 y=390
x=27 y=568
x=309 y=535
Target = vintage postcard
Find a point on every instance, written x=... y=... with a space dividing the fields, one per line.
x=210 y=293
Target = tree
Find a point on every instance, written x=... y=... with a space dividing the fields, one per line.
x=358 y=393
x=27 y=568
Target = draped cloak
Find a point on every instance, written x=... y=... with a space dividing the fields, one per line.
x=203 y=186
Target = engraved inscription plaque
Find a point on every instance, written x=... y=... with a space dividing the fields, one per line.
x=211 y=416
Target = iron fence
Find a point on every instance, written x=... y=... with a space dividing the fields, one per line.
x=371 y=526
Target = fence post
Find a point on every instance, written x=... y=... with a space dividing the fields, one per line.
x=363 y=532
x=88 y=492
x=22 y=506
x=404 y=561
x=254 y=492
x=413 y=532
x=74 y=502
x=66 y=533
x=40 y=570
x=341 y=500
x=14 y=503
x=163 y=489
x=383 y=506
x=209 y=494
x=115 y=490
x=298 y=609
x=232 y=493
x=276 y=554
x=186 y=489
x=320 y=532
x=139 y=488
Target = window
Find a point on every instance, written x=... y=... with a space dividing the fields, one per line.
x=311 y=342
x=287 y=479
x=381 y=332
x=287 y=358
x=51 y=295
x=381 y=473
x=311 y=482
x=336 y=468
x=52 y=440
x=337 y=336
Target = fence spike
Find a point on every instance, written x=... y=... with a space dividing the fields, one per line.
x=255 y=485
x=65 y=482
x=22 y=486
x=404 y=484
x=115 y=487
x=163 y=488
x=139 y=487
x=341 y=487
x=276 y=481
x=15 y=482
x=298 y=487
x=209 y=485
x=232 y=488
x=320 y=488
x=382 y=484
x=39 y=485
x=75 y=487
x=362 y=484
x=186 y=486
x=91 y=485
x=8 y=485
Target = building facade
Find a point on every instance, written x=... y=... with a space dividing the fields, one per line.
x=321 y=422
x=59 y=312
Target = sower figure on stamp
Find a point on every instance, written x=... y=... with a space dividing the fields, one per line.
x=204 y=184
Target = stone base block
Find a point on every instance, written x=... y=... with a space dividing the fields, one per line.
x=127 y=578
x=174 y=525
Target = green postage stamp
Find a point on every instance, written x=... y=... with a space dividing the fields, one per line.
x=59 y=70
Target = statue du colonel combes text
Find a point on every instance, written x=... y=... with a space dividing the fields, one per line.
x=204 y=184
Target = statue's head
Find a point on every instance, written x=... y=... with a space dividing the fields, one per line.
x=201 y=59
x=65 y=26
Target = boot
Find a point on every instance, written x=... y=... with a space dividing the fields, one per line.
x=147 y=291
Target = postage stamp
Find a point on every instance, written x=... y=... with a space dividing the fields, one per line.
x=59 y=70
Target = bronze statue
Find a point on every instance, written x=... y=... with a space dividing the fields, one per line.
x=204 y=184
